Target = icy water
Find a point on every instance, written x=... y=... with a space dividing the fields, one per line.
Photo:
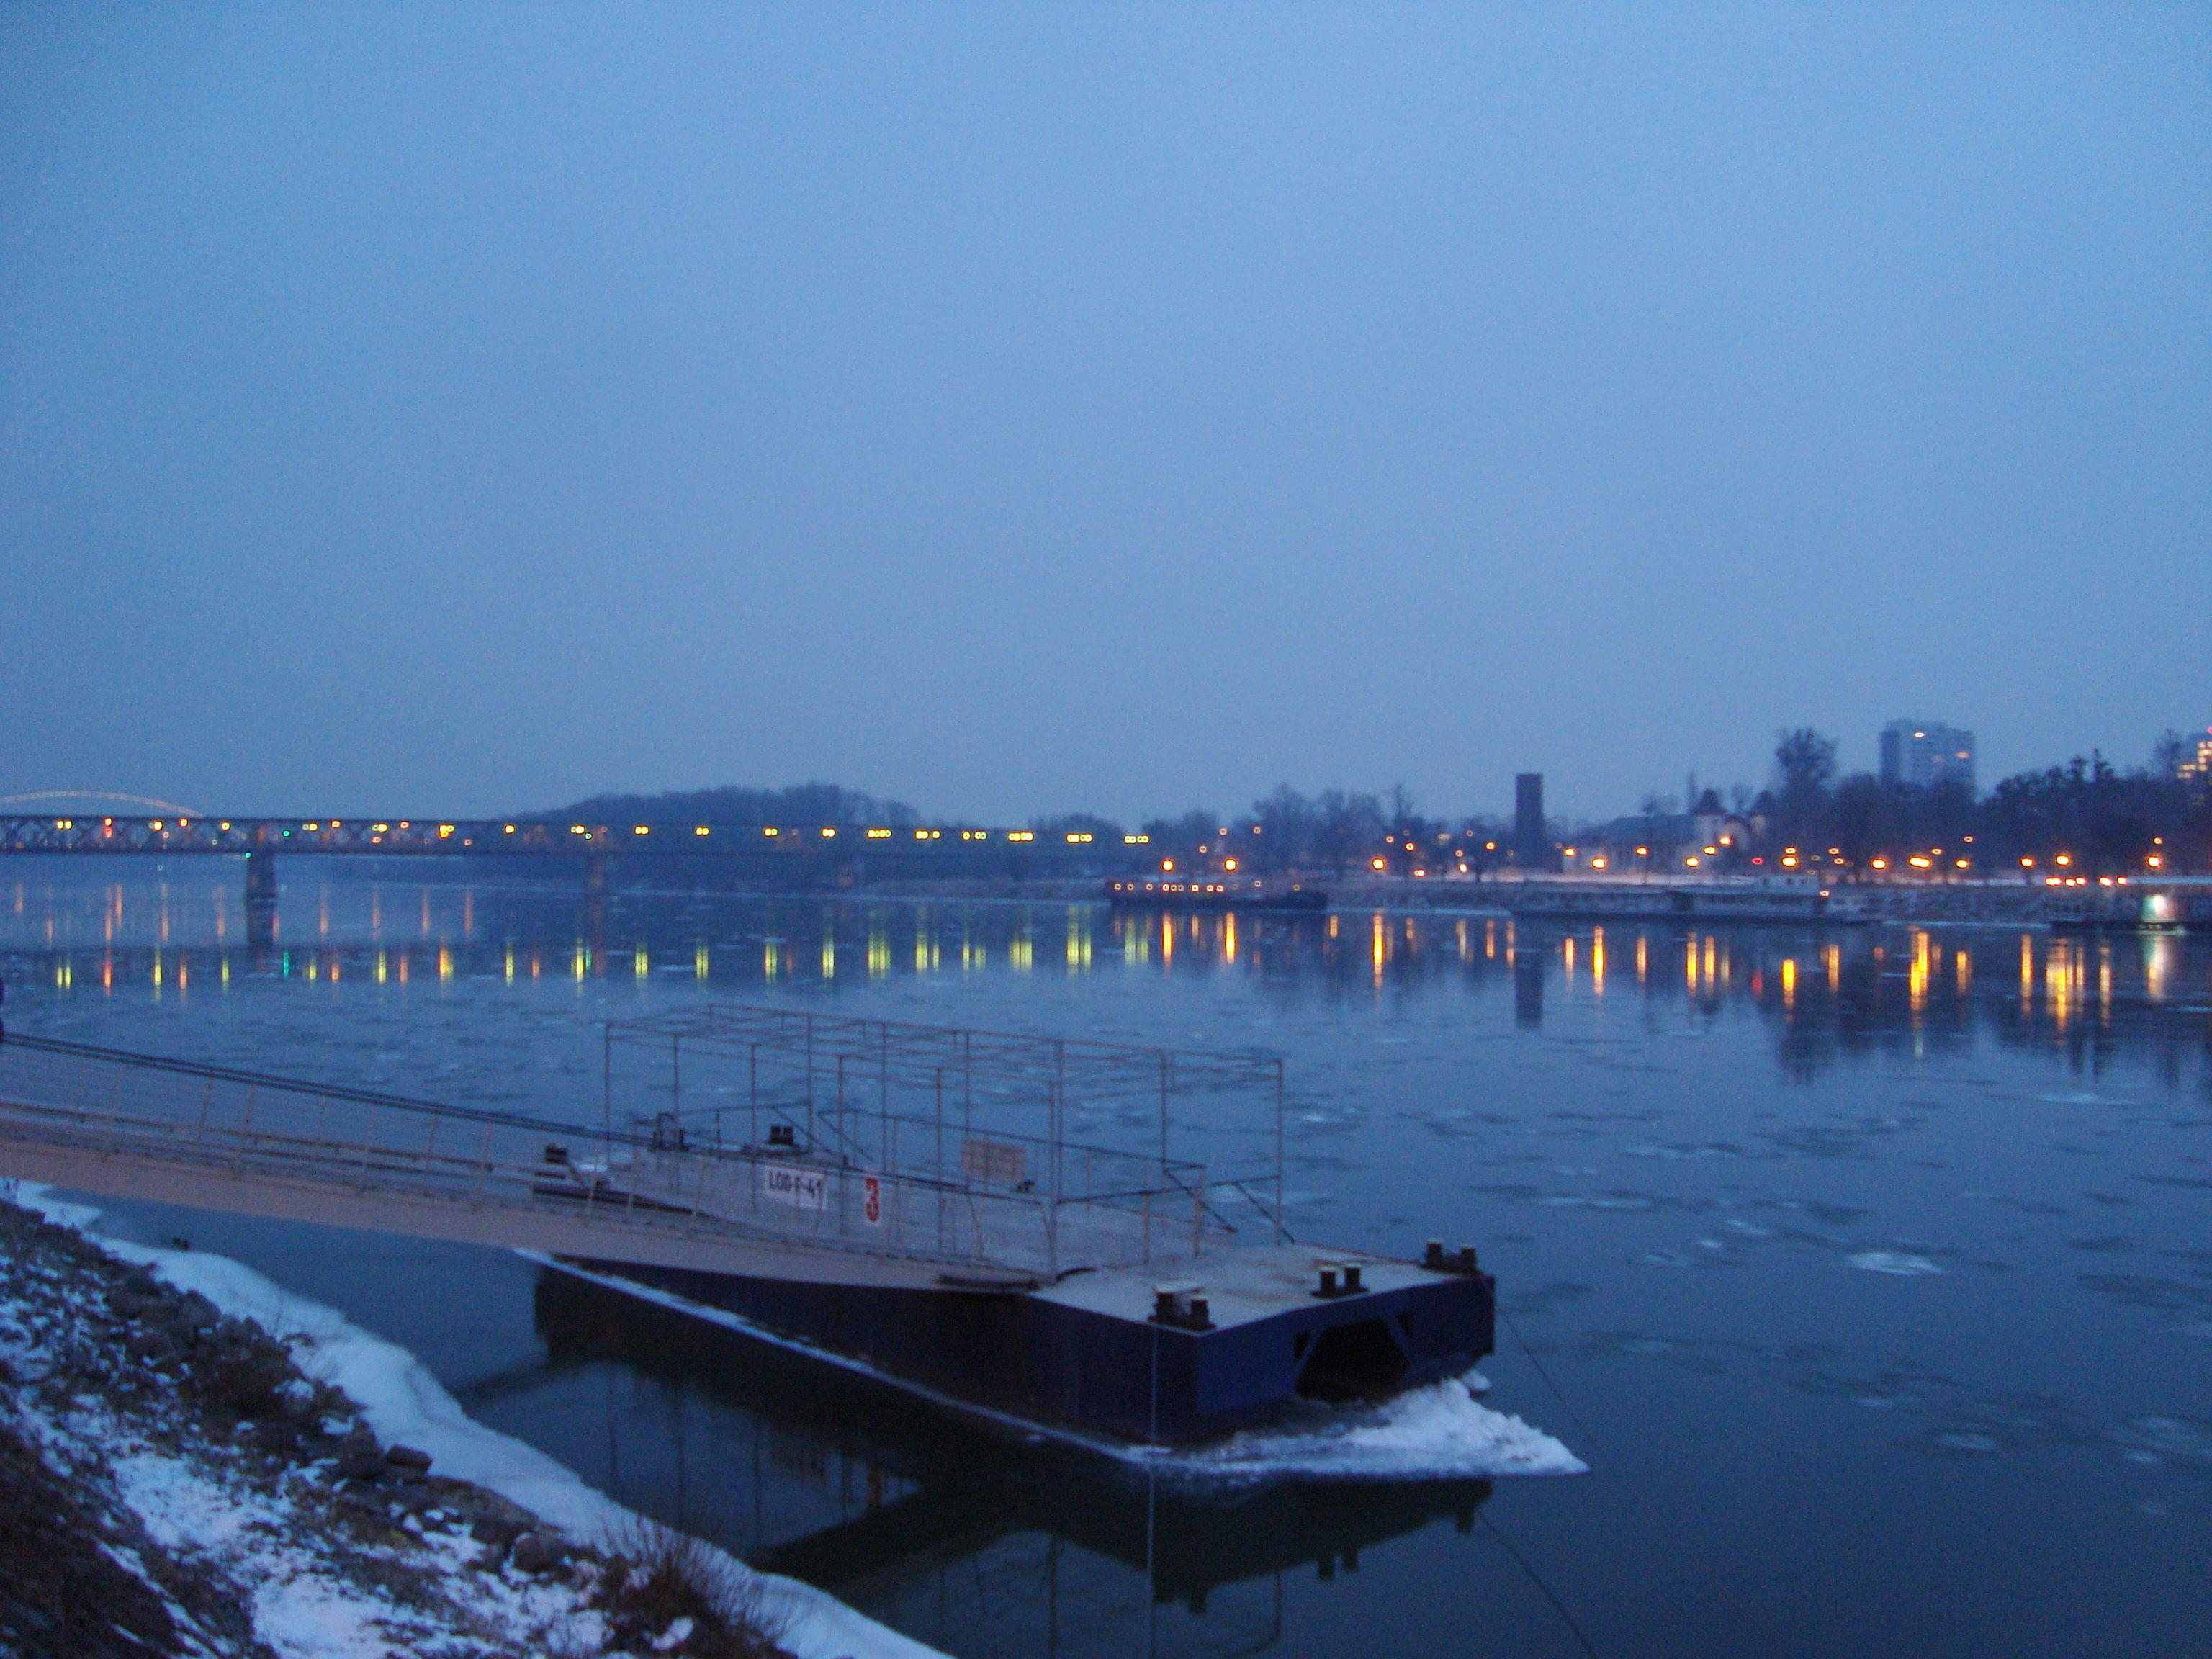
x=1869 y=1270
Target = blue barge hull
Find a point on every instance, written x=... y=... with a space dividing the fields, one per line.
x=1089 y=1353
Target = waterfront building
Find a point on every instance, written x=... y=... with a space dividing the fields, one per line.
x=1921 y=754
x=1532 y=844
x=1708 y=839
x=2196 y=766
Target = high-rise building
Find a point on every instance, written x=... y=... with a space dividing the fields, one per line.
x=2196 y=762
x=1530 y=842
x=1924 y=753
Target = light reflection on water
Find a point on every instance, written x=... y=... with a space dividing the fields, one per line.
x=1859 y=1259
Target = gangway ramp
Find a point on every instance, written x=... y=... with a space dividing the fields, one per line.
x=828 y=1180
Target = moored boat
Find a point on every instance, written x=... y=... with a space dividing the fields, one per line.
x=1208 y=890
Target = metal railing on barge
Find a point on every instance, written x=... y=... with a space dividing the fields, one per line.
x=821 y=1184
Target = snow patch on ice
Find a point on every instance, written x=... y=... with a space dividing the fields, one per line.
x=1435 y=1433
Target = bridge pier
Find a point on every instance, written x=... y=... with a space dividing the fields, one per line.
x=260 y=898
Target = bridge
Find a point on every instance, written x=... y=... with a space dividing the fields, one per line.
x=761 y=1143
x=782 y=855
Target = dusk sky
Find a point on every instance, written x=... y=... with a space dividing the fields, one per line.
x=1016 y=410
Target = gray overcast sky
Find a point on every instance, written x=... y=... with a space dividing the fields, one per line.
x=448 y=409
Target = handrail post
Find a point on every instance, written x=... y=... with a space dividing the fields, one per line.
x=245 y=1131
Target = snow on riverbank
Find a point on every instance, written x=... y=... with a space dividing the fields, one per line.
x=403 y=1403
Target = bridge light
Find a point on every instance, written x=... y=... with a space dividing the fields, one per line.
x=1021 y=834
x=879 y=835
x=1692 y=861
x=1962 y=863
x=1595 y=864
x=1378 y=864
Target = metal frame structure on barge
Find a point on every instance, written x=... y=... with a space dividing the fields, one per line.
x=1000 y=1218
x=948 y=1142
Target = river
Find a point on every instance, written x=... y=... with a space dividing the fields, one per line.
x=1869 y=1269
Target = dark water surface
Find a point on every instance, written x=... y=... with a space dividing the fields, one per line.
x=1869 y=1269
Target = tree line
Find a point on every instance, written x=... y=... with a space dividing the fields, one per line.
x=2101 y=819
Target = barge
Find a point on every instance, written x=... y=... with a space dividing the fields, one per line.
x=1012 y=1225
x=1210 y=892
x=1096 y=1289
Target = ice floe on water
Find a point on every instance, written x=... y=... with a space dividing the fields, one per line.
x=1434 y=1433
x=1892 y=1261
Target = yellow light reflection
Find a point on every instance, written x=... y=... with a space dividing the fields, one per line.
x=1789 y=982
x=2158 y=963
x=1597 y=961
